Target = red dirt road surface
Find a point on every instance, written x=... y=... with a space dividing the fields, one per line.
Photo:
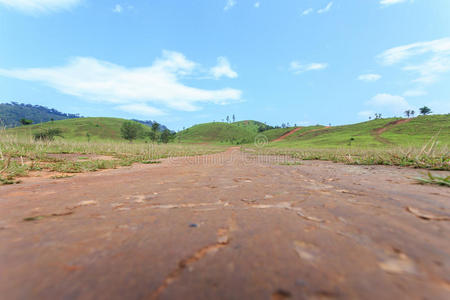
x=227 y=226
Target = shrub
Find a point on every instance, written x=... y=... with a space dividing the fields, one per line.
x=47 y=134
x=130 y=130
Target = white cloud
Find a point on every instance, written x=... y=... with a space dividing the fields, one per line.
x=427 y=59
x=325 y=9
x=40 y=6
x=415 y=93
x=389 y=103
x=160 y=83
x=369 y=77
x=402 y=53
x=390 y=2
x=257 y=4
x=223 y=68
x=298 y=68
x=230 y=4
x=307 y=11
x=118 y=8
x=141 y=109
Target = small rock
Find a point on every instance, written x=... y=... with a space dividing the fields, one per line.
x=193 y=225
x=223 y=239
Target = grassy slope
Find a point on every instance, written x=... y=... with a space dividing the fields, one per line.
x=419 y=130
x=217 y=132
x=100 y=129
x=414 y=133
x=249 y=124
x=242 y=132
x=273 y=134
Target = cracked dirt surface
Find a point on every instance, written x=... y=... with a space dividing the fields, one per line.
x=224 y=226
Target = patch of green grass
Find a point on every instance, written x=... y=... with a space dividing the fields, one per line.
x=290 y=163
x=8 y=180
x=61 y=176
x=149 y=162
x=432 y=179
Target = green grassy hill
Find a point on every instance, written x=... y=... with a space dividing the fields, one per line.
x=241 y=132
x=396 y=131
x=250 y=124
x=371 y=134
x=219 y=132
x=100 y=129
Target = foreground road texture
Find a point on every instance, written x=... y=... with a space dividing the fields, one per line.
x=227 y=226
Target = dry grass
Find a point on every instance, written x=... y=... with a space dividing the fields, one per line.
x=18 y=155
x=428 y=157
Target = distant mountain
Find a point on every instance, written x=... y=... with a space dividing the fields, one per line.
x=12 y=113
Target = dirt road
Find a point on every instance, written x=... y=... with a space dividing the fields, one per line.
x=287 y=134
x=226 y=226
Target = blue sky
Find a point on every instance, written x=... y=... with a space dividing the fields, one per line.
x=188 y=62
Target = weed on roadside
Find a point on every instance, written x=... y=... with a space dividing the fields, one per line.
x=290 y=163
x=432 y=179
x=148 y=162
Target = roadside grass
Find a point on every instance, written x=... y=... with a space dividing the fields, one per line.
x=432 y=179
x=150 y=162
x=20 y=155
x=433 y=157
x=290 y=163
